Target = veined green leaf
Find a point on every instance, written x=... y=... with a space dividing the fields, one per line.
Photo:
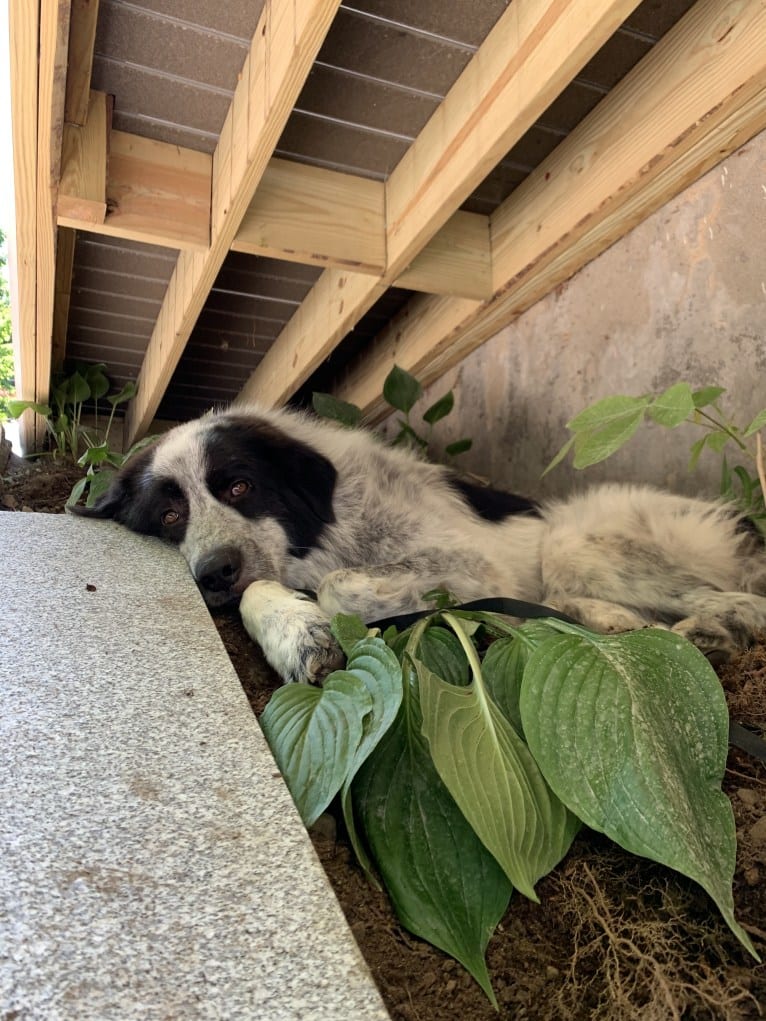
x=444 y=885
x=608 y=410
x=440 y=650
x=707 y=395
x=598 y=444
x=503 y=667
x=673 y=406
x=99 y=483
x=492 y=776
x=378 y=669
x=758 y=423
x=314 y=734
x=631 y=732
x=348 y=630
x=561 y=455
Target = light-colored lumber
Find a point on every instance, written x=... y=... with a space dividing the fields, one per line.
x=82 y=39
x=326 y=315
x=54 y=42
x=82 y=189
x=286 y=41
x=696 y=97
x=22 y=238
x=156 y=193
x=456 y=261
x=534 y=50
x=317 y=217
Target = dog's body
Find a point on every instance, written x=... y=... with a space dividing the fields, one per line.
x=254 y=496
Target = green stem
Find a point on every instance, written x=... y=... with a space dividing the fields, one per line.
x=723 y=427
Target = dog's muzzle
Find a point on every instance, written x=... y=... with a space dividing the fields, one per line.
x=217 y=573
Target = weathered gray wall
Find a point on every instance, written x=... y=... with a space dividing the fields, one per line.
x=682 y=297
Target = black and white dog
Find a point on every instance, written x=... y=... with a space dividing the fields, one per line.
x=263 y=503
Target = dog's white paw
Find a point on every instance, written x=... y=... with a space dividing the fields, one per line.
x=292 y=631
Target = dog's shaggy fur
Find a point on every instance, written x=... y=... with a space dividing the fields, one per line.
x=264 y=503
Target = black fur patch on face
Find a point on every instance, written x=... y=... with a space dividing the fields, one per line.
x=261 y=472
x=493 y=504
x=142 y=501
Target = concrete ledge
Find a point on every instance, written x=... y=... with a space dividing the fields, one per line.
x=152 y=865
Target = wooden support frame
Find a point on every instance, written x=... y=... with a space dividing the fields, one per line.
x=694 y=99
x=82 y=40
x=65 y=245
x=139 y=189
x=286 y=41
x=532 y=53
x=38 y=45
x=84 y=161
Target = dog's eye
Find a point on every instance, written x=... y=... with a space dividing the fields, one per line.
x=239 y=488
x=170 y=517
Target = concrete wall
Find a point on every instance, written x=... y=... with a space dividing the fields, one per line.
x=682 y=297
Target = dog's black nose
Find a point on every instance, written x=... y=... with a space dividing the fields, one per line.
x=218 y=571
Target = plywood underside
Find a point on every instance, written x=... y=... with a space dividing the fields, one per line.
x=256 y=200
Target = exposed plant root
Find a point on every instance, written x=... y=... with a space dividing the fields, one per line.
x=634 y=964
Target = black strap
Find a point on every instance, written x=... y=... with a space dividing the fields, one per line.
x=739 y=736
x=510 y=607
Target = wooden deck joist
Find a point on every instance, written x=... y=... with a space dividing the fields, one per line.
x=286 y=41
x=532 y=53
x=695 y=98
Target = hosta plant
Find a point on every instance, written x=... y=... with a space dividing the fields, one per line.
x=467 y=751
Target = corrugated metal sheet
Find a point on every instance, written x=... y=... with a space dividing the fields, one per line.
x=172 y=66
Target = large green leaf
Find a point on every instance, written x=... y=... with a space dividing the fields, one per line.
x=492 y=776
x=376 y=666
x=440 y=650
x=504 y=664
x=443 y=883
x=631 y=732
x=314 y=734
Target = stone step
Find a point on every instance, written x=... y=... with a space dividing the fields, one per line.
x=152 y=864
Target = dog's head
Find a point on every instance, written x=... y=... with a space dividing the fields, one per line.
x=237 y=493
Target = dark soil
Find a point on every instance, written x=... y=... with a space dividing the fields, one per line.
x=614 y=936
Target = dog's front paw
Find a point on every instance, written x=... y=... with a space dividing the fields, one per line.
x=292 y=631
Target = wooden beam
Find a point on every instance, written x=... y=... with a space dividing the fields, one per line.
x=82 y=189
x=286 y=41
x=317 y=217
x=695 y=98
x=155 y=193
x=456 y=261
x=54 y=42
x=22 y=240
x=326 y=315
x=533 y=52
x=160 y=194
x=65 y=244
x=82 y=40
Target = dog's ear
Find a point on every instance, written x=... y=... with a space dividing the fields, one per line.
x=308 y=480
x=110 y=504
x=117 y=501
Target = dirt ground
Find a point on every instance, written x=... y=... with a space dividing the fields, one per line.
x=614 y=937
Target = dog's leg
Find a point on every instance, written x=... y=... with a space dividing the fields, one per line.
x=597 y=614
x=385 y=590
x=721 y=624
x=292 y=630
